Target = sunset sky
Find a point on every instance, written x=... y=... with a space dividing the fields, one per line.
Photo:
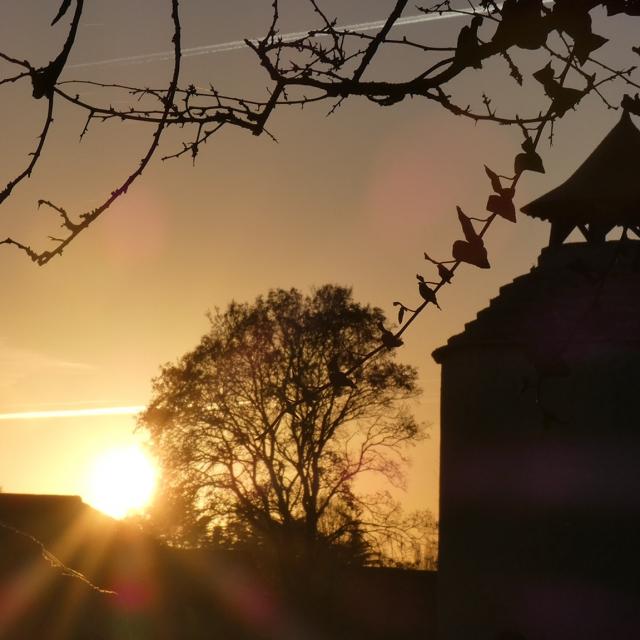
x=353 y=199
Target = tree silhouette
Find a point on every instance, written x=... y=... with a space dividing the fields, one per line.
x=256 y=446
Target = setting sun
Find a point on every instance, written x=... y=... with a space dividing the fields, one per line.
x=121 y=481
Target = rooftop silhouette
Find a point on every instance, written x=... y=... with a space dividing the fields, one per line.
x=603 y=193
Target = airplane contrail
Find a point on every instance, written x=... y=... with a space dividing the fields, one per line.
x=235 y=45
x=73 y=413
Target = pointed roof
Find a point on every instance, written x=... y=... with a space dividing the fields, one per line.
x=605 y=190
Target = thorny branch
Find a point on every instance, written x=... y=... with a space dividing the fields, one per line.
x=331 y=64
x=46 y=87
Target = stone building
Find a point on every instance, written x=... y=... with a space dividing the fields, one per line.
x=540 y=453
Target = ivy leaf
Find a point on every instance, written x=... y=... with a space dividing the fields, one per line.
x=614 y=7
x=64 y=7
x=388 y=338
x=587 y=44
x=444 y=273
x=472 y=250
x=521 y=24
x=576 y=22
x=566 y=98
x=473 y=253
x=401 y=311
x=545 y=76
x=495 y=181
x=529 y=160
x=427 y=293
x=502 y=206
x=563 y=98
x=467 y=48
x=467 y=226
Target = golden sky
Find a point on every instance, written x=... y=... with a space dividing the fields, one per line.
x=353 y=199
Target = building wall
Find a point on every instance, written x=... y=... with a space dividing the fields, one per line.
x=538 y=517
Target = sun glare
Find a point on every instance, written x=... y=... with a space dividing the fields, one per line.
x=121 y=481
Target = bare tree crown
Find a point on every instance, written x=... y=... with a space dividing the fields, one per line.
x=252 y=439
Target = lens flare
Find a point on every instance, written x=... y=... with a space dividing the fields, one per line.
x=121 y=481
